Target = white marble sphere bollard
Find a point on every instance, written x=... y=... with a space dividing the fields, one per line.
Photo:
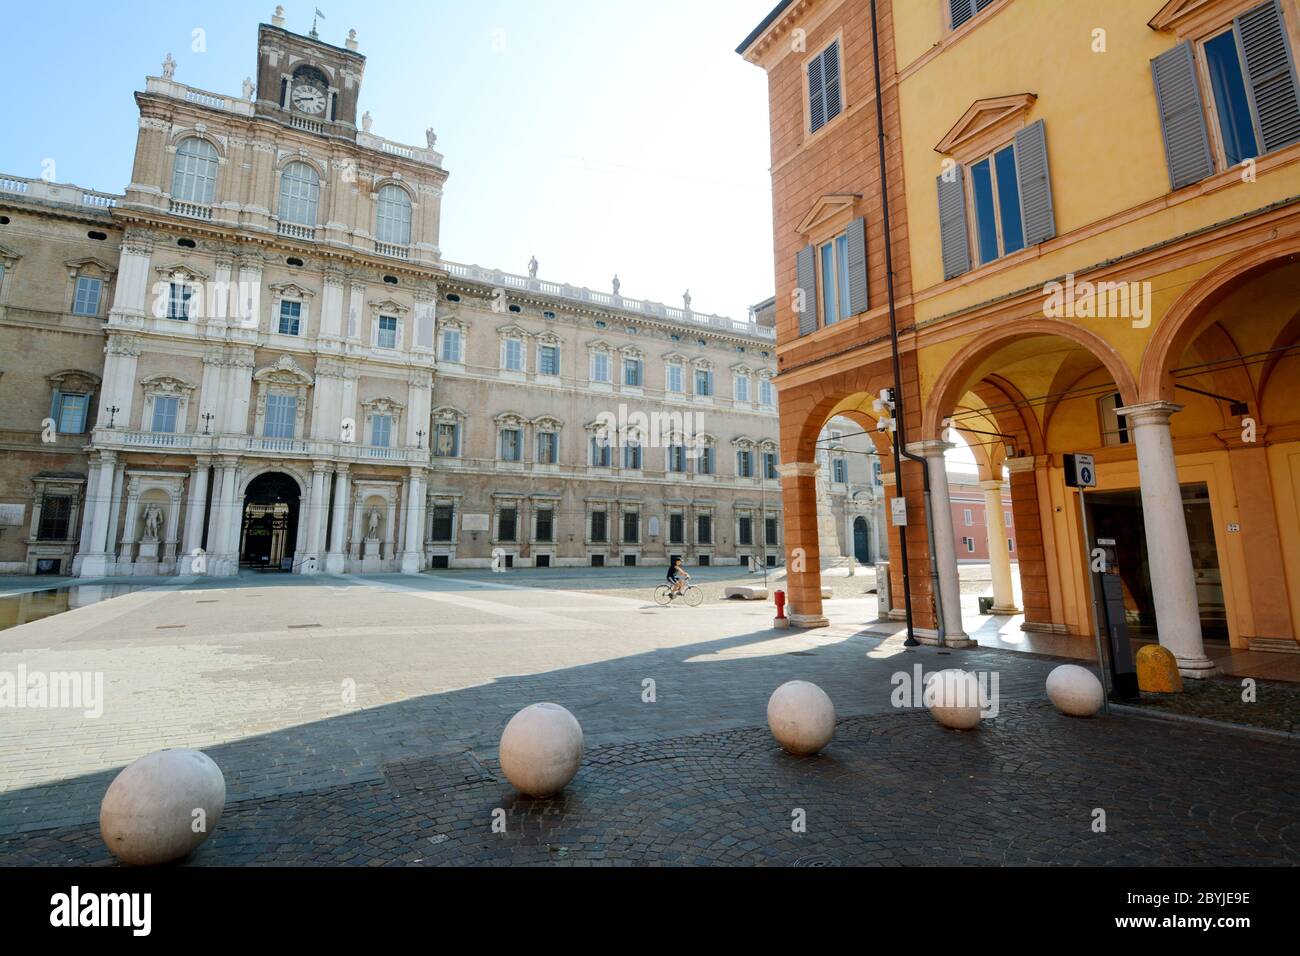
x=953 y=697
x=1075 y=691
x=541 y=749
x=802 y=717
x=161 y=807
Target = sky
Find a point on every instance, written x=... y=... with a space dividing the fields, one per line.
x=601 y=136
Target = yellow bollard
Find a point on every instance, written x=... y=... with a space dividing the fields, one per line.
x=1158 y=670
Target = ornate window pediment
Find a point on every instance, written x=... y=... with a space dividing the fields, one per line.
x=512 y=332
x=383 y=406
x=180 y=272
x=8 y=256
x=827 y=208
x=1191 y=18
x=548 y=423
x=743 y=441
x=510 y=420
x=448 y=415
x=74 y=381
x=166 y=385
x=88 y=265
x=742 y=369
x=388 y=307
x=599 y=345
x=986 y=124
x=291 y=290
x=284 y=372
x=675 y=357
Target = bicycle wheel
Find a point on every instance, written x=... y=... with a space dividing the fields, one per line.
x=663 y=595
x=694 y=597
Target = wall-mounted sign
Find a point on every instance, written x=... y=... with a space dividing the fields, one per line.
x=11 y=516
x=898 y=511
x=480 y=523
x=1080 y=471
x=1233 y=528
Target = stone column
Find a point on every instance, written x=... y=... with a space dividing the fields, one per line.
x=390 y=525
x=195 y=506
x=223 y=530
x=115 y=507
x=96 y=562
x=132 y=519
x=314 y=515
x=87 y=515
x=171 y=534
x=803 y=551
x=334 y=561
x=995 y=525
x=945 y=547
x=1173 y=580
x=413 y=555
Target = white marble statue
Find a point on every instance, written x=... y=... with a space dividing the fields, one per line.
x=169 y=67
x=617 y=285
x=372 y=523
x=152 y=522
x=686 y=300
x=532 y=268
x=366 y=121
x=431 y=137
x=248 y=88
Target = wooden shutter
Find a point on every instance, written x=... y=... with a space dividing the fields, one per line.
x=1036 y=212
x=831 y=74
x=1182 y=116
x=961 y=10
x=953 y=236
x=816 y=95
x=857 y=236
x=806 y=278
x=1270 y=75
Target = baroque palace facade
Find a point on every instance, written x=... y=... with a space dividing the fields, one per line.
x=1095 y=244
x=257 y=357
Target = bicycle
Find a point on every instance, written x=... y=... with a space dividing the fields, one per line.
x=665 y=595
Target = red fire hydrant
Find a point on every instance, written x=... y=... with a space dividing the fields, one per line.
x=780 y=605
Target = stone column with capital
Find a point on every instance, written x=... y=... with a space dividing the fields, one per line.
x=803 y=549
x=226 y=521
x=945 y=546
x=1173 y=579
x=413 y=553
x=1004 y=595
x=97 y=561
x=194 y=509
x=314 y=515
x=87 y=517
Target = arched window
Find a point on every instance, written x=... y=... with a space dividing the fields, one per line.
x=299 y=194
x=393 y=216
x=194 y=177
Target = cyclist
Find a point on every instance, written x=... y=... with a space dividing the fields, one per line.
x=676 y=573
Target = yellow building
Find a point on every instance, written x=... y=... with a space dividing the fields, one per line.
x=1103 y=234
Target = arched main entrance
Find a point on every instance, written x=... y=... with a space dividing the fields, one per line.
x=269 y=533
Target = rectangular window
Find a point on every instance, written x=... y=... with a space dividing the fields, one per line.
x=704 y=529
x=745 y=533
x=967 y=517
x=86 y=299
x=708 y=460
x=824 y=98
x=387 y=338
x=508 y=524
x=769 y=465
x=381 y=431
x=1231 y=101
x=1011 y=545
x=69 y=412
x=631 y=527
x=835 y=279
x=548 y=360
x=970 y=545
x=281 y=416
x=545 y=525
x=744 y=464
x=56 y=512
x=600 y=456
x=771 y=532
x=703 y=381
x=548 y=448
x=676 y=529
x=178 y=302
x=512 y=356
x=290 y=318
x=599 y=527
x=995 y=189
x=632 y=456
x=766 y=394
x=599 y=367
x=677 y=459
x=740 y=388
x=446 y=441
x=1006 y=519
x=511 y=444
x=632 y=372
x=452 y=346
x=676 y=379
x=877 y=473
x=164 y=414
x=440 y=525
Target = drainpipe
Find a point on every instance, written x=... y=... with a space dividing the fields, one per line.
x=900 y=418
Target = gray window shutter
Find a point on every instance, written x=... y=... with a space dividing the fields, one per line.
x=816 y=94
x=831 y=71
x=857 y=236
x=962 y=10
x=1270 y=75
x=1182 y=117
x=806 y=277
x=953 y=236
x=1036 y=212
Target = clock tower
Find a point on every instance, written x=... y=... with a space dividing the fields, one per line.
x=308 y=83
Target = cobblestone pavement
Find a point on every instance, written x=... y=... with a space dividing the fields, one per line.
x=356 y=721
x=1276 y=705
x=890 y=790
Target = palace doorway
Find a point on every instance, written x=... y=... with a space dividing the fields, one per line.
x=270 y=528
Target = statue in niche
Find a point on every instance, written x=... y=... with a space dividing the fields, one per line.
x=372 y=523
x=169 y=67
x=152 y=522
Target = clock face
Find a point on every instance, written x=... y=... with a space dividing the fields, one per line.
x=308 y=99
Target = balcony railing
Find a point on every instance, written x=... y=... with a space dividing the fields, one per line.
x=155 y=439
x=506 y=280
x=190 y=94
x=391 y=250
x=191 y=210
x=57 y=192
x=295 y=231
x=303 y=123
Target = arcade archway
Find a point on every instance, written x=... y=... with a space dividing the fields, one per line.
x=269 y=531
